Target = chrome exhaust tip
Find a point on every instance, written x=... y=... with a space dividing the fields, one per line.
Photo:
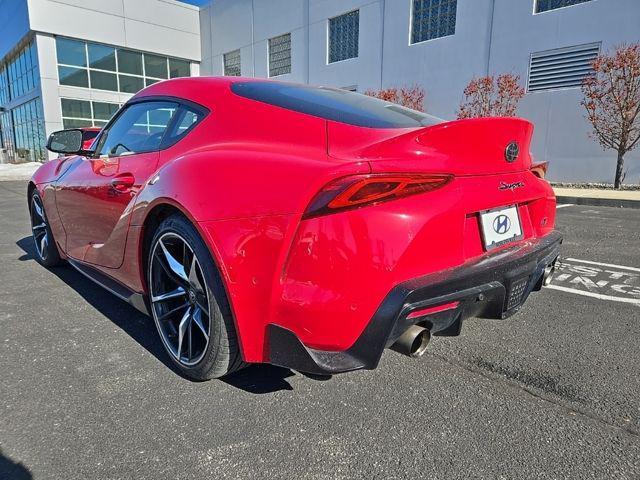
x=413 y=342
x=549 y=271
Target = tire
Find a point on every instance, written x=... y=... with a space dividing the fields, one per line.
x=174 y=296
x=46 y=250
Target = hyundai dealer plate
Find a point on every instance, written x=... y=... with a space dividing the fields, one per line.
x=500 y=226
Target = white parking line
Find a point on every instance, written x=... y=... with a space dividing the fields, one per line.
x=604 y=281
x=595 y=295
x=564 y=205
x=634 y=269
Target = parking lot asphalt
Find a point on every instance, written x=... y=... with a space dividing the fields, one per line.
x=87 y=392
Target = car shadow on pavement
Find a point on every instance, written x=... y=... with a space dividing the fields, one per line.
x=13 y=470
x=256 y=379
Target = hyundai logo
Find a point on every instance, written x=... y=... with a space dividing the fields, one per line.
x=511 y=152
x=501 y=224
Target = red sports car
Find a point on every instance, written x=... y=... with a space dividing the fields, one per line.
x=260 y=221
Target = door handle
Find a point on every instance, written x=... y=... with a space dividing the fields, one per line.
x=123 y=182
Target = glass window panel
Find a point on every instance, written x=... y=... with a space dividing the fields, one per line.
x=104 y=81
x=232 y=65
x=104 y=111
x=179 y=68
x=344 y=34
x=150 y=81
x=433 y=19
x=102 y=57
x=99 y=123
x=76 y=108
x=130 y=84
x=71 y=52
x=155 y=66
x=132 y=132
x=160 y=116
x=280 y=55
x=546 y=5
x=76 y=123
x=76 y=77
x=129 y=62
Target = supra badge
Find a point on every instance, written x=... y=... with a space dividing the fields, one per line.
x=510 y=186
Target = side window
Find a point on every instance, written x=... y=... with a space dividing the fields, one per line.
x=186 y=120
x=140 y=128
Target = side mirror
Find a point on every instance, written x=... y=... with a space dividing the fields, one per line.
x=66 y=141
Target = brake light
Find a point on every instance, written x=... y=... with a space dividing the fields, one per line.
x=540 y=169
x=357 y=191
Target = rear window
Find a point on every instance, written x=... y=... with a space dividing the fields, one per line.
x=335 y=104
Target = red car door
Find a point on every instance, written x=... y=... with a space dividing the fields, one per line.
x=93 y=195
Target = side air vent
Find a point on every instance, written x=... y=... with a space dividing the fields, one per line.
x=561 y=68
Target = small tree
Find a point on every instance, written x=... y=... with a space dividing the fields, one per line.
x=612 y=101
x=410 y=97
x=491 y=97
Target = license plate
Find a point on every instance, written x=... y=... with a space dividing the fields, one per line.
x=500 y=226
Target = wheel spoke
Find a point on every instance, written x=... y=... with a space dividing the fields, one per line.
x=38 y=208
x=172 y=311
x=43 y=244
x=178 y=292
x=193 y=275
x=197 y=319
x=190 y=339
x=176 y=267
x=182 y=328
x=202 y=304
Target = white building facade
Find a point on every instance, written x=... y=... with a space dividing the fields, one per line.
x=439 y=45
x=72 y=63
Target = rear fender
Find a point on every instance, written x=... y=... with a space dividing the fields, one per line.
x=247 y=216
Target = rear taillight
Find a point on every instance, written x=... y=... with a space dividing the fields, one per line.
x=540 y=169
x=358 y=191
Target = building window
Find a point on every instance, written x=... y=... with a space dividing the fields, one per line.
x=19 y=75
x=546 y=5
x=432 y=19
x=561 y=68
x=103 y=67
x=28 y=132
x=4 y=86
x=344 y=33
x=232 y=63
x=83 y=113
x=280 y=55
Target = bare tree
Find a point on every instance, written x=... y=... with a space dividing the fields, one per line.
x=491 y=97
x=410 y=97
x=612 y=101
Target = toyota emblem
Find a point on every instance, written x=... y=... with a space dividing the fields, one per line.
x=511 y=152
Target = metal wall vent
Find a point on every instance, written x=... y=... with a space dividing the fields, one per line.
x=561 y=68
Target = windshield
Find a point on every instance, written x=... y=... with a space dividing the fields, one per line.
x=335 y=104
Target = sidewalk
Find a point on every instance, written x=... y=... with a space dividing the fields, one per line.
x=18 y=171
x=599 y=197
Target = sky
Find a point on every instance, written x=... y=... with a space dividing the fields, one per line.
x=198 y=3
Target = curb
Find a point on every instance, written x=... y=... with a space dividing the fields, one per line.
x=599 y=202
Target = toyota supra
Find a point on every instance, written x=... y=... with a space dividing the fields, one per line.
x=308 y=227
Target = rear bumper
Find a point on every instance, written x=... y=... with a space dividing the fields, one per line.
x=496 y=286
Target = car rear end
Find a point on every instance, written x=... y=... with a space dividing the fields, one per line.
x=451 y=221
